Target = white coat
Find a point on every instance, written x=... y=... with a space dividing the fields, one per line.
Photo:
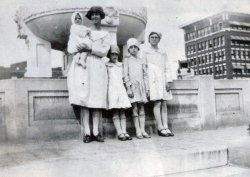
x=117 y=95
x=91 y=92
x=159 y=73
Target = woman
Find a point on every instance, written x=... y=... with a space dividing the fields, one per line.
x=92 y=90
x=159 y=82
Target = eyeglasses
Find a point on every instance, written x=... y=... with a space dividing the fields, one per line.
x=154 y=37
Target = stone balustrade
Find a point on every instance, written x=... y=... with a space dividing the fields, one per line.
x=39 y=108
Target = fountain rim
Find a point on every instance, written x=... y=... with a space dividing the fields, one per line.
x=142 y=15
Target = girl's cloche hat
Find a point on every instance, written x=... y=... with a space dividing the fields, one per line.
x=114 y=49
x=133 y=42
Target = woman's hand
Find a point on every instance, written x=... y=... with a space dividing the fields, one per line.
x=81 y=48
x=168 y=87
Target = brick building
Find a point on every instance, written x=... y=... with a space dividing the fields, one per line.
x=219 y=45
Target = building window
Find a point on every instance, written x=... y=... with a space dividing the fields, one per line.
x=210 y=58
x=215 y=70
x=247 y=54
x=219 y=41
x=223 y=54
x=211 y=70
x=215 y=57
x=233 y=54
x=237 y=54
x=237 y=71
x=217 y=27
x=222 y=40
x=210 y=43
x=240 y=27
x=241 y=55
x=215 y=42
x=206 y=43
x=224 y=68
x=190 y=36
x=219 y=55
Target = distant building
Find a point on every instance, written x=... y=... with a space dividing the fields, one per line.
x=219 y=45
x=17 y=70
x=184 y=71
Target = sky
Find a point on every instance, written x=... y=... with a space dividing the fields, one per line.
x=165 y=16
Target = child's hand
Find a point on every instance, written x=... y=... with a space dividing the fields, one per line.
x=130 y=93
x=88 y=32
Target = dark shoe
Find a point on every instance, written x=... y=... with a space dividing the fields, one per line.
x=162 y=134
x=99 y=138
x=121 y=137
x=87 y=139
x=128 y=137
x=169 y=132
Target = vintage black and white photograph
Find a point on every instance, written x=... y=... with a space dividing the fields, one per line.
x=124 y=88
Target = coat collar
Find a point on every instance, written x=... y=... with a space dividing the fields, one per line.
x=119 y=64
x=153 y=50
x=96 y=35
x=132 y=57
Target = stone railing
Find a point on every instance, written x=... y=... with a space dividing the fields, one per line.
x=39 y=108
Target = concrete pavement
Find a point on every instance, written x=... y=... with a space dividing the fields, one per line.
x=72 y=157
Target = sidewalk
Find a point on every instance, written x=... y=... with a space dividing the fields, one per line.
x=37 y=157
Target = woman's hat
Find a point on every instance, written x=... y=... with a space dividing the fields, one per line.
x=155 y=32
x=114 y=49
x=133 y=41
x=73 y=16
x=95 y=9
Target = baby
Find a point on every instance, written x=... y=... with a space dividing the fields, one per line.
x=79 y=37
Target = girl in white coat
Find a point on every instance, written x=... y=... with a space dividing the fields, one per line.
x=136 y=81
x=159 y=82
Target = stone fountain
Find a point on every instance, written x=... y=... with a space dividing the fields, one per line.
x=46 y=28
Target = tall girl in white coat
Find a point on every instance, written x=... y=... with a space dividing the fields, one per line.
x=159 y=82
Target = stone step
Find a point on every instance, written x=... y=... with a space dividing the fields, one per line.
x=148 y=157
x=225 y=171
